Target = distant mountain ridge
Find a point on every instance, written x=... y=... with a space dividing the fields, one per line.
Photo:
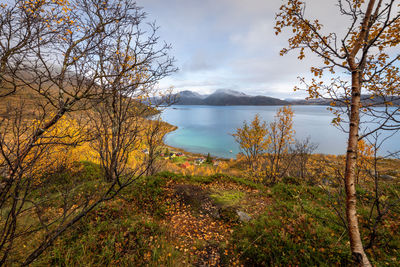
x=366 y=100
x=226 y=97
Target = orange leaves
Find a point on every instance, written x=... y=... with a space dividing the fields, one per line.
x=363 y=45
x=189 y=231
x=305 y=31
x=364 y=159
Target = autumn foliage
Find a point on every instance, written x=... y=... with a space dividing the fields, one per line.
x=266 y=147
x=253 y=140
x=362 y=52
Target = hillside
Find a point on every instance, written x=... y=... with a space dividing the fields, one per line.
x=174 y=219
x=226 y=98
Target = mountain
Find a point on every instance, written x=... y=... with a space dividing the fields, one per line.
x=366 y=100
x=189 y=98
x=190 y=94
x=316 y=102
x=229 y=92
x=226 y=97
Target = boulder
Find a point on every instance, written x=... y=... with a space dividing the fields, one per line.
x=243 y=217
x=387 y=177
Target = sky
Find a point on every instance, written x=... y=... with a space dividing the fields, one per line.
x=231 y=44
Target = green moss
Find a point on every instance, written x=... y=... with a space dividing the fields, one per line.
x=200 y=179
x=179 y=159
x=227 y=198
x=297 y=229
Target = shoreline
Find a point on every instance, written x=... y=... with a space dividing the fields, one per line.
x=192 y=154
x=173 y=128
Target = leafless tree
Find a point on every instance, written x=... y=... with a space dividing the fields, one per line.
x=302 y=151
x=58 y=60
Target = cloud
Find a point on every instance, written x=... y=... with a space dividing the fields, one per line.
x=232 y=44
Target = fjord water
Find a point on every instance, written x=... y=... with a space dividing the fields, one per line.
x=208 y=129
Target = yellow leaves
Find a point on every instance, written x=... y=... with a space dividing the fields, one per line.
x=337 y=120
x=290 y=16
x=257 y=138
x=389 y=103
x=365 y=151
x=308 y=34
x=253 y=138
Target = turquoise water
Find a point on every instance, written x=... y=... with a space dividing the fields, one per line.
x=208 y=129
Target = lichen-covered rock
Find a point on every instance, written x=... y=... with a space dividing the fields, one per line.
x=243 y=217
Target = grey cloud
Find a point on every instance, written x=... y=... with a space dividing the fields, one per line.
x=231 y=43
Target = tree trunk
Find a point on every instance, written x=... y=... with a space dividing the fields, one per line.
x=357 y=249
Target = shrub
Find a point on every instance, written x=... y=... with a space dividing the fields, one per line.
x=148 y=193
x=283 y=237
x=298 y=229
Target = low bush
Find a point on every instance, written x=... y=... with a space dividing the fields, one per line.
x=292 y=233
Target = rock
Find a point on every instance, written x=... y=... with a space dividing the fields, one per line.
x=231 y=214
x=387 y=177
x=243 y=217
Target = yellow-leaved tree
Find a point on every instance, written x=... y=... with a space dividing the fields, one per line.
x=358 y=59
x=266 y=146
x=281 y=134
x=253 y=140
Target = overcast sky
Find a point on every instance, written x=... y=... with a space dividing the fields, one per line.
x=231 y=44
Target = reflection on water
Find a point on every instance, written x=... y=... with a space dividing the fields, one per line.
x=208 y=129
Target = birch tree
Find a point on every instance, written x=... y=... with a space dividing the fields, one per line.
x=359 y=59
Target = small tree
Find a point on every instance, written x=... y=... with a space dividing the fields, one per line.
x=253 y=140
x=302 y=151
x=281 y=135
x=365 y=154
x=209 y=158
x=153 y=135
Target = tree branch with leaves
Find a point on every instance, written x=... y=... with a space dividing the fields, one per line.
x=364 y=52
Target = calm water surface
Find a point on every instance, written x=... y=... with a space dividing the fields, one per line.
x=208 y=129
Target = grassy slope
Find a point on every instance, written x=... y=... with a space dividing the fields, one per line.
x=176 y=220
